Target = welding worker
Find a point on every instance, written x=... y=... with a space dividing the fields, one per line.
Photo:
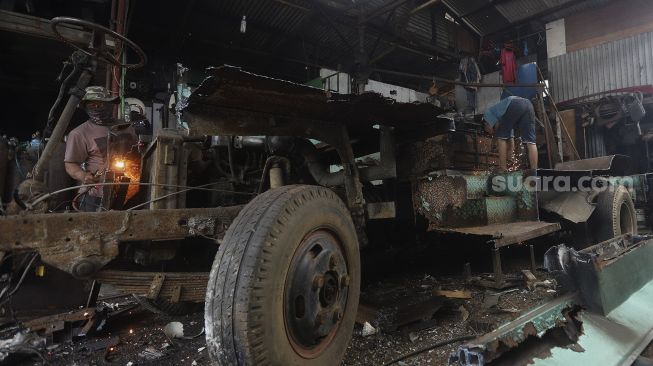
x=503 y=118
x=86 y=147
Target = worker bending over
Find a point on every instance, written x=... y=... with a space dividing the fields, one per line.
x=509 y=114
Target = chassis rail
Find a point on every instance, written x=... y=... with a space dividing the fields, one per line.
x=82 y=243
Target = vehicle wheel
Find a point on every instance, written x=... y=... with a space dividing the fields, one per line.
x=284 y=285
x=614 y=214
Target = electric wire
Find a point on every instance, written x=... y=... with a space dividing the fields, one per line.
x=430 y=347
x=166 y=196
x=39 y=199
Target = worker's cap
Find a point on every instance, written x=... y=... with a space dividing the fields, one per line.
x=99 y=93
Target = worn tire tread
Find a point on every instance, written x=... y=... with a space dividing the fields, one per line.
x=606 y=219
x=234 y=318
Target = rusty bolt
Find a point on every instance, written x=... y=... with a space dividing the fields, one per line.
x=332 y=262
x=344 y=281
x=337 y=315
x=319 y=319
x=318 y=282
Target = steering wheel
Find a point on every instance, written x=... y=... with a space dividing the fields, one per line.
x=97 y=47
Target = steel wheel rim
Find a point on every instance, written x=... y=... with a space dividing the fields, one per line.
x=315 y=293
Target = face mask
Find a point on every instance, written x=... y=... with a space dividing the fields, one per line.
x=100 y=114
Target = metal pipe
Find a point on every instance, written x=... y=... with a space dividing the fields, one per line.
x=112 y=25
x=119 y=28
x=386 y=169
x=447 y=81
x=276 y=176
x=62 y=124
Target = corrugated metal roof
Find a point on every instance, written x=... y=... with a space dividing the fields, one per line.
x=304 y=20
x=487 y=20
x=488 y=16
x=465 y=7
x=515 y=11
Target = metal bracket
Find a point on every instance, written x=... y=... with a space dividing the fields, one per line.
x=176 y=294
x=155 y=287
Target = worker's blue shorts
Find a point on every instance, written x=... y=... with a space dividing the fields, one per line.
x=519 y=115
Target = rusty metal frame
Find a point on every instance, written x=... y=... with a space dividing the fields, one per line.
x=81 y=243
x=213 y=121
x=167 y=162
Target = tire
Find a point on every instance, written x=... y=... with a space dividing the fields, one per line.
x=614 y=214
x=262 y=299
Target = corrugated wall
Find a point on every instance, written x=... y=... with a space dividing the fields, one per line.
x=619 y=64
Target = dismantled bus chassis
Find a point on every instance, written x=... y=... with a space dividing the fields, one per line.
x=281 y=176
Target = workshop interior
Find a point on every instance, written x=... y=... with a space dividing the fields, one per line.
x=326 y=182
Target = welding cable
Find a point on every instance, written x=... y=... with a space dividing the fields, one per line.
x=17 y=199
x=231 y=158
x=18 y=166
x=30 y=205
x=75 y=202
x=62 y=91
x=59 y=206
x=432 y=346
x=166 y=196
x=20 y=282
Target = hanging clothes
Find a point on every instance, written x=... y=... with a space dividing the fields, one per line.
x=470 y=73
x=508 y=63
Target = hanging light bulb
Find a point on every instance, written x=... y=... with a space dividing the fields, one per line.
x=243 y=25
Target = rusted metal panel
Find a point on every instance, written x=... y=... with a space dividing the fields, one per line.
x=456 y=150
x=505 y=234
x=456 y=199
x=52 y=323
x=607 y=273
x=605 y=165
x=64 y=240
x=434 y=196
x=604 y=321
x=229 y=90
x=500 y=209
x=533 y=323
x=573 y=206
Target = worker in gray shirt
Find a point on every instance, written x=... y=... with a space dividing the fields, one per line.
x=87 y=145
